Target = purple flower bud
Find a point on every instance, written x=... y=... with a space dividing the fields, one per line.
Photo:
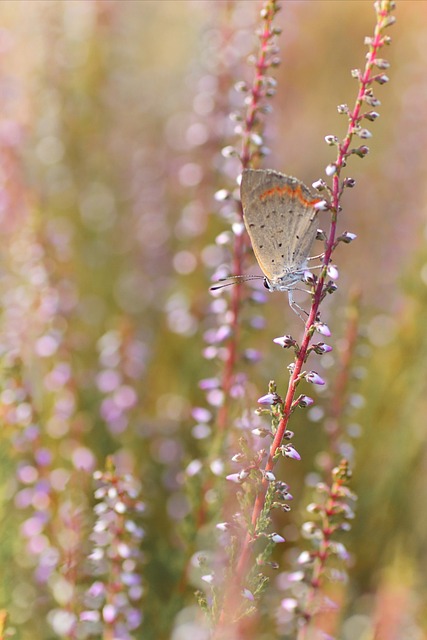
x=201 y=414
x=296 y=576
x=361 y=151
x=238 y=228
x=347 y=237
x=217 y=467
x=234 y=477
x=269 y=476
x=364 y=134
x=228 y=152
x=330 y=287
x=238 y=457
x=290 y=452
x=323 y=328
x=222 y=194
x=342 y=108
x=322 y=205
x=243 y=475
x=256 y=139
x=381 y=63
x=109 y=613
x=209 y=578
x=289 y=604
x=321 y=347
x=331 y=140
x=331 y=169
x=209 y=383
x=285 y=341
x=349 y=182
x=222 y=333
x=382 y=79
x=339 y=549
x=304 y=557
x=309 y=278
x=275 y=537
x=305 y=401
x=193 y=468
x=319 y=185
x=241 y=86
x=90 y=616
x=370 y=99
x=222 y=239
x=371 y=115
x=248 y=595
x=269 y=399
x=314 y=378
x=332 y=271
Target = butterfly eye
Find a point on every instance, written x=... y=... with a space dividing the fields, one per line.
x=267 y=284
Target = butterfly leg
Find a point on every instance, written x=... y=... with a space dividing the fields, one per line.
x=321 y=255
x=295 y=306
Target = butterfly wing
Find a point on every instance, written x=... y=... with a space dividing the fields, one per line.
x=280 y=218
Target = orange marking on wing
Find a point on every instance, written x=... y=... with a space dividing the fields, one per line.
x=288 y=190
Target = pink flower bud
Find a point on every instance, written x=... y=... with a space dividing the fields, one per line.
x=322 y=205
x=289 y=604
x=290 y=452
x=269 y=476
x=314 y=378
x=332 y=271
x=275 y=537
x=305 y=401
x=323 y=328
x=285 y=342
x=268 y=399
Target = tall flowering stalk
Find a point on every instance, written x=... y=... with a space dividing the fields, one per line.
x=224 y=339
x=282 y=408
x=250 y=129
x=330 y=511
x=112 y=600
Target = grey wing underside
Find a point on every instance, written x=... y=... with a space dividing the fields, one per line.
x=281 y=228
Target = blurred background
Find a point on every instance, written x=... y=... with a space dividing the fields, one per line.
x=112 y=119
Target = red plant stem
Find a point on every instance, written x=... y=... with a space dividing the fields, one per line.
x=257 y=93
x=343 y=149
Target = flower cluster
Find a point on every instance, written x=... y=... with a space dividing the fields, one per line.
x=122 y=359
x=111 y=602
x=331 y=513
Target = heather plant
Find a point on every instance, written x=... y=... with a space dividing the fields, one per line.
x=236 y=581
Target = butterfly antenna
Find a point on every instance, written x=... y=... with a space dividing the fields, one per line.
x=228 y=282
